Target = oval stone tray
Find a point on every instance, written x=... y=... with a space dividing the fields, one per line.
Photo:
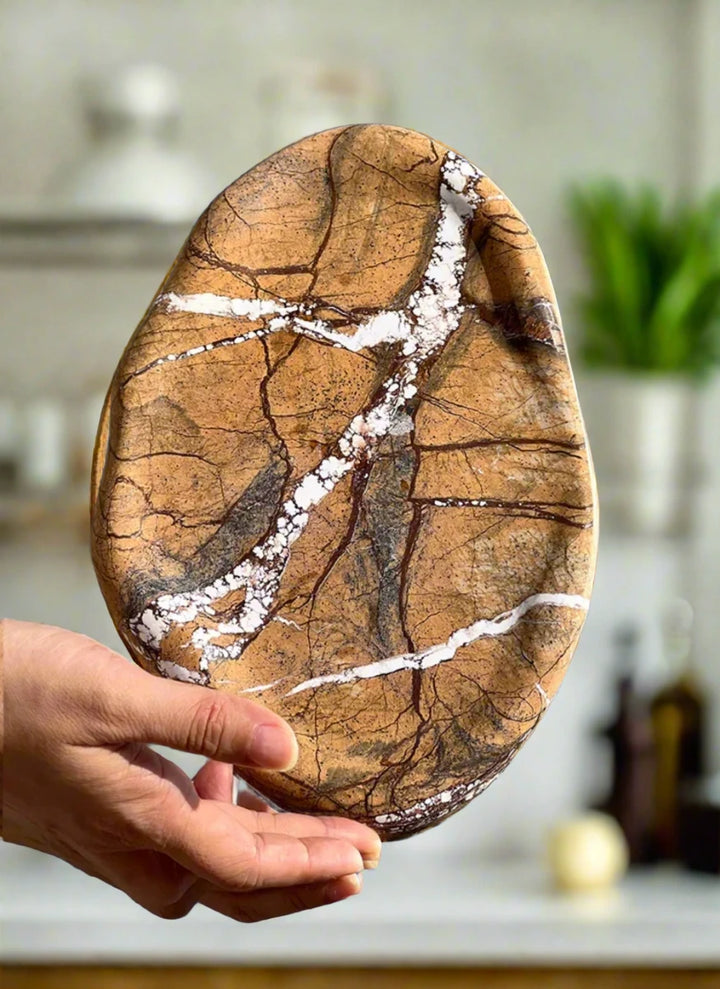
x=342 y=470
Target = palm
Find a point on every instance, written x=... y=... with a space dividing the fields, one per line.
x=82 y=783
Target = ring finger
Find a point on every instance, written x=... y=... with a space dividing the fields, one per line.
x=263 y=904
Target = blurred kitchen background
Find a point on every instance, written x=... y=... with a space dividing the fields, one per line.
x=120 y=119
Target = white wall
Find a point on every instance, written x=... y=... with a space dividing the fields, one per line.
x=705 y=566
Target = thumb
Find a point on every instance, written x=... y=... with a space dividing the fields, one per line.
x=201 y=720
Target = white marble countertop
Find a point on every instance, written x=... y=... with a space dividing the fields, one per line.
x=414 y=910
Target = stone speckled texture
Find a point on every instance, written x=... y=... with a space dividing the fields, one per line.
x=342 y=470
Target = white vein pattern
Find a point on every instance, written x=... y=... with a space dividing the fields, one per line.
x=432 y=314
x=438 y=805
x=539 y=509
x=484 y=628
x=442 y=652
x=176 y=672
x=543 y=694
x=384 y=327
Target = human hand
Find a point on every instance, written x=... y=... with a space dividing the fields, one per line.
x=80 y=783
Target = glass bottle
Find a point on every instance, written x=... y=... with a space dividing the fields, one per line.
x=630 y=734
x=678 y=715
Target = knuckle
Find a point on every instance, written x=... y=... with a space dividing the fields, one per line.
x=168 y=906
x=209 y=726
x=259 y=907
x=245 y=914
x=166 y=891
x=172 y=911
x=298 y=900
x=252 y=864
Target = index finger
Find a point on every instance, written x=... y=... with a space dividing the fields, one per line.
x=213 y=843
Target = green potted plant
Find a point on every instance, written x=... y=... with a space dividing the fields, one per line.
x=650 y=337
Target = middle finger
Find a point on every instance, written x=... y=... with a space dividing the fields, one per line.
x=249 y=908
x=364 y=838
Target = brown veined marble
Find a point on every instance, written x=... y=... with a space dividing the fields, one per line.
x=342 y=470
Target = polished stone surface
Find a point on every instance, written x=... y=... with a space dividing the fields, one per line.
x=342 y=471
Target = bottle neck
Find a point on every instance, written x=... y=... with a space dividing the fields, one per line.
x=678 y=657
x=677 y=640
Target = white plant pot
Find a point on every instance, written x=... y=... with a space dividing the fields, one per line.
x=643 y=431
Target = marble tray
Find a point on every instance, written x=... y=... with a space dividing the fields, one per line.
x=342 y=470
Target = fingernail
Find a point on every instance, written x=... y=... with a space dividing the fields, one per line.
x=271 y=747
x=371 y=860
x=340 y=889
